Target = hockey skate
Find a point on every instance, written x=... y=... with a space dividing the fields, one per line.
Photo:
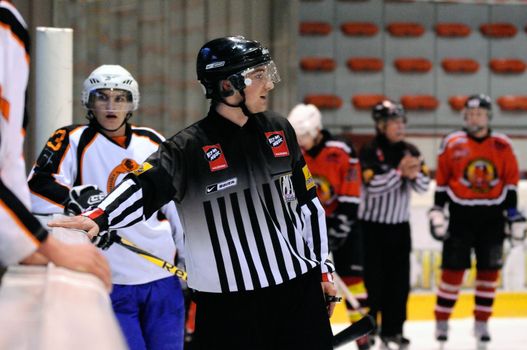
x=441 y=331
x=481 y=332
x=397 y=342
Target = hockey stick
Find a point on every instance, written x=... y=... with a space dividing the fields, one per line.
x=350 y=298
x=165 y=265
x=362 y=327
x=150 y=257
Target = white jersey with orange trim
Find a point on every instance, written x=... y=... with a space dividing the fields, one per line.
x=20 y=232
x=80 y=155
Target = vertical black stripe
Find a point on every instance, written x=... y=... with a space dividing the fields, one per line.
x=209 y=216
x=269 y=208
x=243 y=240
x=87 y=136
x=238 y=274
x=258 y=237
x=315 y=226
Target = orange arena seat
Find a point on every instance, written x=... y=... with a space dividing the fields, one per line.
x=452 y=29
x=370 y=64
x=498 y=30
x=409 y=65
x=324 y=64
x=405 y=29
x=366 y=101
x=324 y=101
x=419 y=102
x=457 y=102
x=359 y=28
x=507 y=65
x=460 y=65
x=512 y=103
x=315 y=28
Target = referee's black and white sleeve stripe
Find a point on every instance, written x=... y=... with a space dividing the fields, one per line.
x=421 y=183
x=382 y=183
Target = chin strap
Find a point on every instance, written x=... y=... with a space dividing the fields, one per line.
x=241 y=105
x=91 y=118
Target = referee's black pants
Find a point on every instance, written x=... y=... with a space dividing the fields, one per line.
x=289 y=316
x=387 y=273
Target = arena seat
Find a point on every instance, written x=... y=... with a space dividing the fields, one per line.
x=503 y=65
x=419 y=102
x=452 y=30
x=512 y=103
x=413 y=65
x=405 y=29
x=324 y=101
x=324 y=64
x=457 y=102
x=366 y=64
x=359 y=28
x=315 y=28
x=460 y=65
x=366 y=101
x=498 y=30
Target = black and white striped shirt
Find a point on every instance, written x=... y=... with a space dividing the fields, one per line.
x=246 y=198
x=385 y=195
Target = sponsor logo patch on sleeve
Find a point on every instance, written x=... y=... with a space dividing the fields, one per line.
x=278 y=143
x=310 y=182
x=144 y=167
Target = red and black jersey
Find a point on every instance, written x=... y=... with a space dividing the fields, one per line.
x=336 y=170
x=476 y=172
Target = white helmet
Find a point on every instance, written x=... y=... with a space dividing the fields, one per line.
x=305 y=119
x=110 y=77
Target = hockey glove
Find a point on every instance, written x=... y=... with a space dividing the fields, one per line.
x=104 y=239
x=339 y=227
x=82 y=198
x=438 y=223
x=516 y=226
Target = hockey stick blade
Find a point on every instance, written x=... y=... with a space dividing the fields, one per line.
x=358 y=329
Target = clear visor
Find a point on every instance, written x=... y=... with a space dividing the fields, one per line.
x=262 y=74
x=110 y=100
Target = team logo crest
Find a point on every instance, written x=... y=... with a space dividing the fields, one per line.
x=325 y=192
x=215 y=156
x=480 y=175
x=277 y=142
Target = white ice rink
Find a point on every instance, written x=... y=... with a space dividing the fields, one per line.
x=507 y=334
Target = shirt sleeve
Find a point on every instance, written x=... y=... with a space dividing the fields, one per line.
x=54 y=173
x=443 y=173
x=142 y=192
x=315 y=230
x=20 y=232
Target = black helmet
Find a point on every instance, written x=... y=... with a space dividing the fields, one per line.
x=479 y=101
x=227 y=58
x=387 y=109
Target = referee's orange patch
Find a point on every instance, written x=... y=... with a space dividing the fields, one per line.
x=310 y=182
x=367 y=175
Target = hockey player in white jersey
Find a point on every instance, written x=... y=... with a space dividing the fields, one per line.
x=147 y=300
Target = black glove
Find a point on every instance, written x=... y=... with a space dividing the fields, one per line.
x=82 y=198
x=339 y=227
x=516 y=224
x=104 y=239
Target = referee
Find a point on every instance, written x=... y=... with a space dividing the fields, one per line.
x=391 y=169
x=255 y=244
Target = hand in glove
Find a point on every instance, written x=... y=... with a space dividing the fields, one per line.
x=438 y=223
x=104 y=239
x=516 y=224
x=339 y=228
x=82 y=198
